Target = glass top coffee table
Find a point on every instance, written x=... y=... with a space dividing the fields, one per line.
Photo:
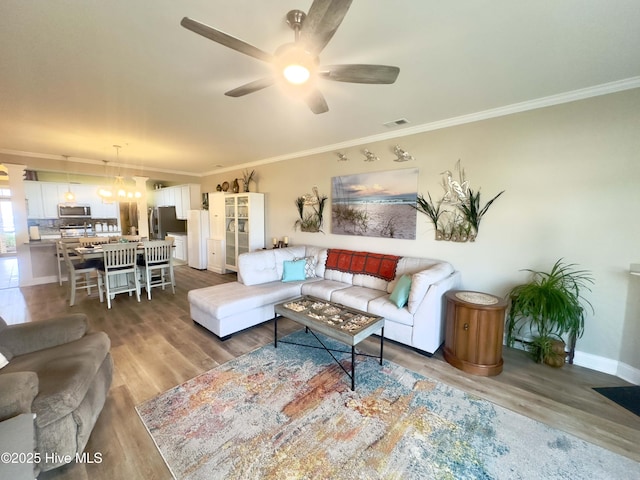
x=341 y=323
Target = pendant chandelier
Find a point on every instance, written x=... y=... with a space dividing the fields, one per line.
x=118 y=191
x=69 y=196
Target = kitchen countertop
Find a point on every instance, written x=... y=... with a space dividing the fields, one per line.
x=177 y=234
x=41 y=243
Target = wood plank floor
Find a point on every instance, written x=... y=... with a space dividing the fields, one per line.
x=156 y=346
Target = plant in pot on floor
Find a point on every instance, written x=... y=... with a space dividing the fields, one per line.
x=549 y=306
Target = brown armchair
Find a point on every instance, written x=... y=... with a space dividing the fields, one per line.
x=61 y=372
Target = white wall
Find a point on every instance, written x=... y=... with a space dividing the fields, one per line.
x=571 y=175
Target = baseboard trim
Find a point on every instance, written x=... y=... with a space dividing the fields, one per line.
x=38 y=281
x=606 y=365
x=629 y=373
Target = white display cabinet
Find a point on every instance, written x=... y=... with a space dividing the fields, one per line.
x=241 y=228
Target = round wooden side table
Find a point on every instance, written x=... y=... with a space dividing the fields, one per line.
x=474 y=332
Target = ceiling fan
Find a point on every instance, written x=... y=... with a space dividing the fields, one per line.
x=296 y=64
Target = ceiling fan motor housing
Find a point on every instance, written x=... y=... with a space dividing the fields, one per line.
x=295 y=18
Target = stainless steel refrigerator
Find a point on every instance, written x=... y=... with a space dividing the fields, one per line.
x=163 y=220
x=197 y=236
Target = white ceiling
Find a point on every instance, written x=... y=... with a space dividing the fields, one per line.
x=78 y=76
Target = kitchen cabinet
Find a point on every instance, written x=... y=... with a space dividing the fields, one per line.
x=216 y=215
x=52 y=195
x=244 y=225
x=86 y=194
x=183 y=197
x=104 y=210
x=33 y=194
x=43 y=199
x=215 y=255
x=474 y=331
x=180 y=247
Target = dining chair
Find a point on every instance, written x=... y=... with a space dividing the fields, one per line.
x=119 y=273
x=158 y=265
x=61 y=244
x=172 y=241
x=80 y=273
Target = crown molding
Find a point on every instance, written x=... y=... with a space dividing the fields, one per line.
x=558 y=99
x=89 y=161
x=572 y=96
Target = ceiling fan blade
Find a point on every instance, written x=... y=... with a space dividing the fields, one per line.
x=316 y=102
x=359 y=73
x=251 y=87
x=226 y=40
x=323 y=19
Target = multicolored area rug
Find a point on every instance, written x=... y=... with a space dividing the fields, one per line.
x=289 y=413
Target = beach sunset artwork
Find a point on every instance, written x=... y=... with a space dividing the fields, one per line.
x=375 y=204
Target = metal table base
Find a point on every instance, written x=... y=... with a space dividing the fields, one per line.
x=353 y=352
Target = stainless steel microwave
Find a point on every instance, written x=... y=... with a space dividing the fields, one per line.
x=74 y=211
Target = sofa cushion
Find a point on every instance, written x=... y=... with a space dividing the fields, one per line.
x=232 y=298
x=322 y=288
x=258 y=267
x=335 y=275
x=30 y=337
x=386 y=308
x=17 y=391
x=356 y=297
x=411 y=265
x=65 y=373
x=363 y=280
x=421 y=281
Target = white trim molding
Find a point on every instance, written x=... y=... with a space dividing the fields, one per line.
x=551 y=100
x=606 y=365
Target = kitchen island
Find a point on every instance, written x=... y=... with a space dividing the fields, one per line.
x=38 y=262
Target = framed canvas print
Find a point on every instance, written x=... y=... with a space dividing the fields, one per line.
x=375 y=204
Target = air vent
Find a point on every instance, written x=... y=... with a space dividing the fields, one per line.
x=396 y=123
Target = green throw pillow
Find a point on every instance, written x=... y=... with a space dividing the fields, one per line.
x=294 y=270
x=400 y=294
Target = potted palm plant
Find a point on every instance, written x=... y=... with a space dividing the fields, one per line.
x=549 y=306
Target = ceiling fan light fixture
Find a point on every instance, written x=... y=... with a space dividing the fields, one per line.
x=295 y=64
x=296 y=74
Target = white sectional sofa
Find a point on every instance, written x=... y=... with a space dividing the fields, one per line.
x=228 y=308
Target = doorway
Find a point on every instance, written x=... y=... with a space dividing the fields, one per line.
x=8 y=258
x=7 y=227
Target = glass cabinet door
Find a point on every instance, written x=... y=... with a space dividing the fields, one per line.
x=230 y=227
x=243 y=224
